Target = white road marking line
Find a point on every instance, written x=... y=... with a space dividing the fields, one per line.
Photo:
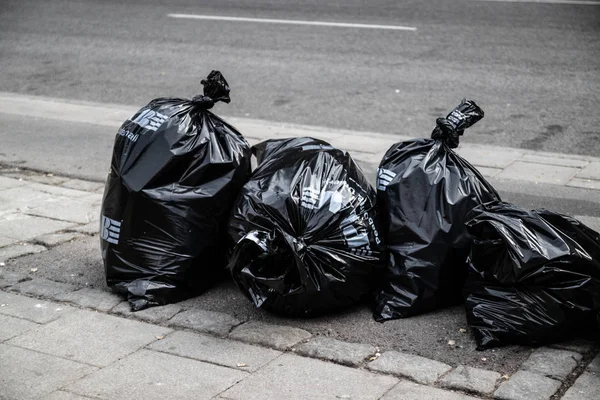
x=562 y=2
x=293 y=22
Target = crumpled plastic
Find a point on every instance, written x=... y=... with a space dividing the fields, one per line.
x=175 y=172
x=534 y=276
x=424 y=192
x=305 y=230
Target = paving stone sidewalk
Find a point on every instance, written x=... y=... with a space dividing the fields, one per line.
x=50 y=350
x=39 y=211
x=73 y=341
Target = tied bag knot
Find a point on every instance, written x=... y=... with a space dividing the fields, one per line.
x=203 y=102
x=449 y=129
x=216 y=89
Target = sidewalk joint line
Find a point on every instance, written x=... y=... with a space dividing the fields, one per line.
x=192 y=358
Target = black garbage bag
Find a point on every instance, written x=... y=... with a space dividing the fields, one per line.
x=176 y=170
x=305 y=229
x=534 y=276
x=424 y=192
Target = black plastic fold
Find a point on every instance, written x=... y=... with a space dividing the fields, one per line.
x=305 y=230
x=424 y=192
x=175 y=172
x=534 y=276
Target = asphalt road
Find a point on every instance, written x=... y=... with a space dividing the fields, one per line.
x=533 y=67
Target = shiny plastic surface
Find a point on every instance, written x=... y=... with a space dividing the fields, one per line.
x=424 y=192
x=534 y=276
x=176 y=170
x=305 y=230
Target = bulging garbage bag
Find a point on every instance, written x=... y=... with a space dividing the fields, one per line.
x=305 y=228
x=424 y=192
x=175 y=172
x=534 y=276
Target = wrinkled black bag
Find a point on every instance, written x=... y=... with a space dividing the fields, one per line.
x=305 y=230
x=534 y=276
x=424 y=192
x=176 y=170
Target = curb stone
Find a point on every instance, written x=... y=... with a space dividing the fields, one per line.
x=329 y=349
x=586 y=387
x=525 y=385
x=420 y=369
x=553 y=363
x=215 y=323
x=594 y=366
x=406 y=390
x=90 y=298
x=156 y=315
x=279 y=337
x=470 y=379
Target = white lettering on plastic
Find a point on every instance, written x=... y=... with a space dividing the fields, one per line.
x=384 y=178
x=150 y=119
x=110 y=230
